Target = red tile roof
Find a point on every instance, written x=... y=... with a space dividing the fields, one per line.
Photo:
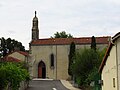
x=23 y=53
x=11 y=59
x=64 y=41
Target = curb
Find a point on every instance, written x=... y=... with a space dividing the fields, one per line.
x=68 y=85
x=42 y=79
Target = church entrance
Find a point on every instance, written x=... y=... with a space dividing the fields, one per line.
x=41 y=70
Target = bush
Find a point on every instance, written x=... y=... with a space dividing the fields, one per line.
x=11 y=75
x=85 y=66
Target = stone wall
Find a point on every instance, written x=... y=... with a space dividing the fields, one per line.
x=61 y=60
x=23 y=85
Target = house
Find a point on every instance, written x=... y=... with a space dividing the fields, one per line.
x=17 y=56
x=110 y=66
x=11 y=59
x=50 y=56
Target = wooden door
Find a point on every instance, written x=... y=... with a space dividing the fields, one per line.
x=39 y=72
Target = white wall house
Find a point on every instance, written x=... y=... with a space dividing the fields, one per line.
x=110 y=66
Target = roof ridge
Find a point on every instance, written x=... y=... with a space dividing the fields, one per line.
x=64 y=41
x=74 y=38
x=24 y=53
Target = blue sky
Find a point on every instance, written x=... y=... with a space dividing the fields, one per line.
x=80 y=18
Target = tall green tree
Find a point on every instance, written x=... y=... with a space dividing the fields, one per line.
x=71 y=55
x=84 y=62
x=9 y=45
x=62 y=34
x=93 y=43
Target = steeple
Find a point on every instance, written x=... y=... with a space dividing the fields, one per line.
x=35 y=18
x=35 y=30
x=35 y=13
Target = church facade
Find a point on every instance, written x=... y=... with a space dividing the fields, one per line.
x=49 y=57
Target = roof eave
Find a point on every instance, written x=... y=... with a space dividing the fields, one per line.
x=105 y=58
x=116 y=37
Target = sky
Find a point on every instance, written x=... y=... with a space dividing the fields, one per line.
x=80 y=18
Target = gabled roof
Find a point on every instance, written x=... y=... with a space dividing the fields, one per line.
x=11 y=59
x=66 y=41
x=114 y=38
x=20 y=52
x=23 y=53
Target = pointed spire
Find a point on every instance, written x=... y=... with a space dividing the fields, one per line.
x=35 y=13
x=35 y=30
x=35 y=18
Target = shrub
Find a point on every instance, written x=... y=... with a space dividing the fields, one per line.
x=11 y=75
x=85 y=66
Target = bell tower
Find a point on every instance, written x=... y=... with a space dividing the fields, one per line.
x=35 y=30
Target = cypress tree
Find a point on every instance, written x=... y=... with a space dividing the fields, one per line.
x=93 y=43
x=71 y=54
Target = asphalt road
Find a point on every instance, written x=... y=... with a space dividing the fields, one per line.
x=46 y=85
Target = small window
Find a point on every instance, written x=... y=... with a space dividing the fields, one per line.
x=52 y=60
x=114 y=82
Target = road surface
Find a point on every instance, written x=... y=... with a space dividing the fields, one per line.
x=46 y=85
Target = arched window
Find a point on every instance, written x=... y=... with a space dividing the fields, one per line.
x=52 y=60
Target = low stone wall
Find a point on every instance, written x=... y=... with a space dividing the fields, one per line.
x=23 y=85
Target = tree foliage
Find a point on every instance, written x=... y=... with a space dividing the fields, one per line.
x=86 y=64
x=9 y=45
x=11 y=75
x=62 y=34
x=71 y=55
x=93 y=43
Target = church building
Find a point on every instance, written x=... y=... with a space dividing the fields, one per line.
x=49 y=56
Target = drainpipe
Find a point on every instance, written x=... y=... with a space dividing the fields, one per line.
x=117 y=67
x=56 y=62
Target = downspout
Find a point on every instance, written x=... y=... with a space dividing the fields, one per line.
x=117 y=68
x=56 y=62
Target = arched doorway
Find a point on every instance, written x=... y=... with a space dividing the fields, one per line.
x=41 y=70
